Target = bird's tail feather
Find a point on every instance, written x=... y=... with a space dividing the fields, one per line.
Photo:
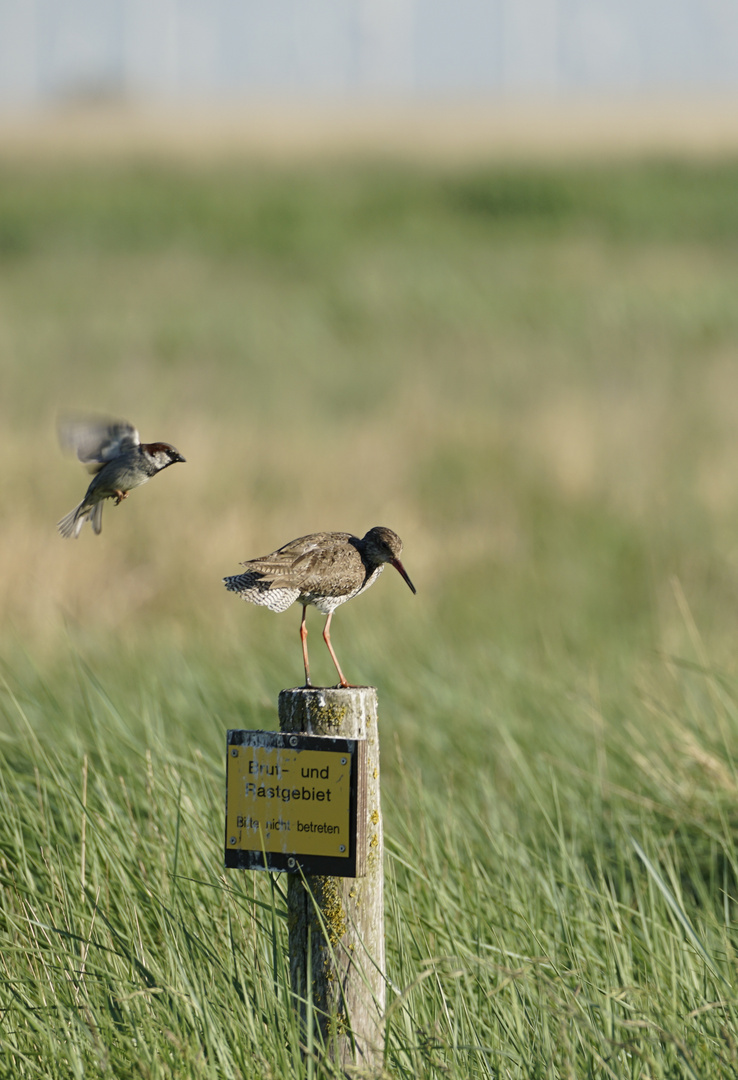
x=253 y=587
x=96 y=518
x=71 y=524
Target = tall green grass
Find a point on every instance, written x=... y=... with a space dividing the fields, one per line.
x=528 y=373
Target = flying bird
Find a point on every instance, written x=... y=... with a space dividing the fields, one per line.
x=113 y=451
x=324 y=569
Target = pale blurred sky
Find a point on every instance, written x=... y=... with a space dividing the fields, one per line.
x=170 y=49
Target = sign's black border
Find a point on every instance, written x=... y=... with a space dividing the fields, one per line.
x=336 y=866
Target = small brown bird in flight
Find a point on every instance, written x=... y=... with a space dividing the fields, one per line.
x=113 y=451
x=324 y=569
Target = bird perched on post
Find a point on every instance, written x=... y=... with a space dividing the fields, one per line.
x=324 y=569
x=113 y=451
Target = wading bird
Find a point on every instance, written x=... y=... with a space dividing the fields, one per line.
x=324 y=569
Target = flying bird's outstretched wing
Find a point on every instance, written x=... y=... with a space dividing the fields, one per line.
x=96 y=439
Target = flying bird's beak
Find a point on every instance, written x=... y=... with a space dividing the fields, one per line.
x=179 y=457
x=401 y=570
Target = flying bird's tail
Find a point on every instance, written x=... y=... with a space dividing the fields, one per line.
x=71 y=524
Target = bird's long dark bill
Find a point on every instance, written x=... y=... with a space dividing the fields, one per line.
x=401 y=570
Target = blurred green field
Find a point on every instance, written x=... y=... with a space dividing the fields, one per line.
x=529 y=373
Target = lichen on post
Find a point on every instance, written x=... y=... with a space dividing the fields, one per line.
x=339 y=921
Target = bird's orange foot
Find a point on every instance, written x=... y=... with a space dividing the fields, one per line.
x=120 y=496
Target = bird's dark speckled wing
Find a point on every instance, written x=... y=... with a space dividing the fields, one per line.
x=306 y=562
x=334 y=571
x=96 y=439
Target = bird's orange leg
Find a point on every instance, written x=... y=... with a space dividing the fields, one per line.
x=120 y=496
x=327 y=640
x=304 y=640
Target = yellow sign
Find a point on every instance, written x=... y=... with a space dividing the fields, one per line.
x=295 y=801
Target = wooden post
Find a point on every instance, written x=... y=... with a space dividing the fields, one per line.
x=339 y=921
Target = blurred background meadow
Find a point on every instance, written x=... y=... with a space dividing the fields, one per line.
x=511 y=335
